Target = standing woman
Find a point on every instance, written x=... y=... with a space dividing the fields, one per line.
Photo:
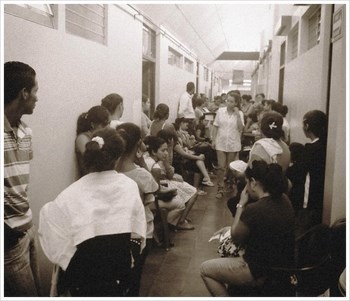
x=145 y=121
x=315 y=124
x=228 y=126
x=86 y=230
x=95 y=119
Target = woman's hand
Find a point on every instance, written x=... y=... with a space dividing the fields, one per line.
x=244 y=196
x=201 y=157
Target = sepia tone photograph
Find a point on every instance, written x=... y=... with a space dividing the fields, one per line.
x=184 y=149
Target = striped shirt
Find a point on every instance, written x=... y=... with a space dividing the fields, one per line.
x=17 y=154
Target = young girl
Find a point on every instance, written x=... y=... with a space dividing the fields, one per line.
x=86 y=230
x=158 y=164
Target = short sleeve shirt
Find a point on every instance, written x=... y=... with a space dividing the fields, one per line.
x=271 y=234
x=228 y=138
x=17 y=155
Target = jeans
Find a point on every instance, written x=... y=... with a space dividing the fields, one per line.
x=21 y=269
x=216 y=273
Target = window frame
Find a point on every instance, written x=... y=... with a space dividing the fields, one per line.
x=86 y=32
x=33 y=14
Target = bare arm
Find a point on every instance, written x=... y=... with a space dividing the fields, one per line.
x=239 y=231
x=185 y=155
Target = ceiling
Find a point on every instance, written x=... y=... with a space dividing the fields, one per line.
x=208 y=30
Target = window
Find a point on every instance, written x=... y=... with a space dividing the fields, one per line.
x=206 y=74
x=149 y=42
x=294 y=42
x=314 y=28
x=188 y=65
x=174 y=58
x=38 y=13
x=87 y=21
x=283 y=54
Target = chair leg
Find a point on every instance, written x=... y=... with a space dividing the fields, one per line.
x=165 y=228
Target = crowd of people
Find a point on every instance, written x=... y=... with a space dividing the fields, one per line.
x=99 y=230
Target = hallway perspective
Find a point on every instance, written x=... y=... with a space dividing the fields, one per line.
x=176 y=273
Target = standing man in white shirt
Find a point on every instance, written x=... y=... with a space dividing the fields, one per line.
x=185 y=108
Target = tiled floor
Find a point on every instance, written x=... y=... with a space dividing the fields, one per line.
x=176 y=273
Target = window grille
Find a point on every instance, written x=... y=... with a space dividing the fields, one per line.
x=87 y=21
x=188 y=65
x=38 y=13
x=314 y=29
x=149 y=42
x=174 y=58
x=294 y=41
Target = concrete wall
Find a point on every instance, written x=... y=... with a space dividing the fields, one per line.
x=305 y=88
x=335 y=186
x=170 y=80
x=74 y=74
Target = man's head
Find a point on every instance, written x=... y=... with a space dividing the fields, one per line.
x=20 y=84
x=190 y=87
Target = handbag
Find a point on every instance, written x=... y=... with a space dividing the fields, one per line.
x=227 y=248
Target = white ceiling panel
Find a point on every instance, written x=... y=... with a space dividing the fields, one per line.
x=210 y=29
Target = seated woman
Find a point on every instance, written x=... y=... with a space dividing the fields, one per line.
x=271 y=148
x=265 y=228
x=95 y=119
x=160 y=118
x=191 y=146
x=182 y=160
x=86 y=230
x=114 y=104
x=132 y=165
x=157 y=162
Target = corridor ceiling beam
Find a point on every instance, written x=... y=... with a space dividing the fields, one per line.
x=238 y=56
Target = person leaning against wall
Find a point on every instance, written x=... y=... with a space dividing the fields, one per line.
x=21 y=271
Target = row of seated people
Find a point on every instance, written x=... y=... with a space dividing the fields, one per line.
x=103 y=148
x=265 y=222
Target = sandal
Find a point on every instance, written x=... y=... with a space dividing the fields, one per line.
x=185 y=226
x=219 y=194
x=208 y=183
x=201 y=192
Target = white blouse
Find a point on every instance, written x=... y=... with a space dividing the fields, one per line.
x=228 y=137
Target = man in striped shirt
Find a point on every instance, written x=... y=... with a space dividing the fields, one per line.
x=20 y=258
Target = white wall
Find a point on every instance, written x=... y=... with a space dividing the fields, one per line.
x=170 y=80
x=305 y=88
x=306 y=79
x=74 y=74
x=203 y=85
x=335 y=185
